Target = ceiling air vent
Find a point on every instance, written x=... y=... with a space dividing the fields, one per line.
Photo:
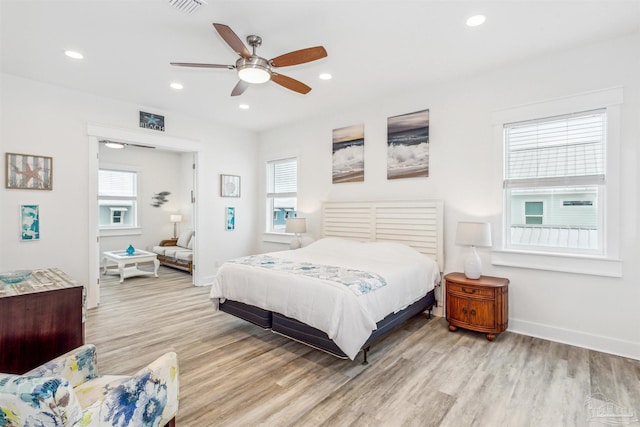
x=187 y=6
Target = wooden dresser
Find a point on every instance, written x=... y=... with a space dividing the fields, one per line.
x=477 y=304
x=41 y=318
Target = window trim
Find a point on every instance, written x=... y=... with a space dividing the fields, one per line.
x=609 y=263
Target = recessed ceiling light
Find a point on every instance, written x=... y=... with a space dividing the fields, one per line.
x=476 y=20
x=325 y=76
x=176 y=86
x=243 y=106
x=73 y=54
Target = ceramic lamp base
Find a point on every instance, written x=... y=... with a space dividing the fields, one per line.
x=473 y=265
x=295 y=242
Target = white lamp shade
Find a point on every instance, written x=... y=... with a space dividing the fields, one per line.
x=473 y=234
x=296 y=225
x=175 y=218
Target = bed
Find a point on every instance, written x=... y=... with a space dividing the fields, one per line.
x=377 y=266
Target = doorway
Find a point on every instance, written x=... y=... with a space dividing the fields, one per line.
x=156 y=225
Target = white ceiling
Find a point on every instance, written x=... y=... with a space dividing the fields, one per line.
x=375 y=48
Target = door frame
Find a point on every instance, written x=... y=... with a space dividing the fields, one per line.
x=97 y=133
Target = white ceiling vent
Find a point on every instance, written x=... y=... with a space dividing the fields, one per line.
x=187 y=6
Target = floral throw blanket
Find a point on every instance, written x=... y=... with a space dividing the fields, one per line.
x=360 y=282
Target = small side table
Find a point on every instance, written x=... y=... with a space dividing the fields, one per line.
x=477 y=304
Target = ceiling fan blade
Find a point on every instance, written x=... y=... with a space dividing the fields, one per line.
x=240 y=88
x=299 y=56
x=191 y=64
x=290 y=83
x=232 y=40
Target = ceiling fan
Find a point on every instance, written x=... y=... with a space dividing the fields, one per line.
x=254 y=69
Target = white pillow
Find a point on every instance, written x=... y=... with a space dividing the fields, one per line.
x=184 y=238
x=191 y=243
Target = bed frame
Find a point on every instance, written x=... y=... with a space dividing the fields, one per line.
x=418 y=224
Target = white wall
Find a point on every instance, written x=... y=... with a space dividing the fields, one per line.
x=158 y=170
x=466 y=172
x=37 y=118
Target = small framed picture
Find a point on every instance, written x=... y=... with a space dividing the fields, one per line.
x=28 y=172
x=231 y=218
x=30 y=223
x=229 y=186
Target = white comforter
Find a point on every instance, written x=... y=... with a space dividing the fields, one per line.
x=348 y=319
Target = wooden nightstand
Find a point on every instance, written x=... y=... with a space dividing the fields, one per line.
x=477 y=304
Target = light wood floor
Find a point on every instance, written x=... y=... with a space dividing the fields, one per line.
x=236 y=374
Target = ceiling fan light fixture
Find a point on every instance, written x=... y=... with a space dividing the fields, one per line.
x=253 y=70
x=254 y=75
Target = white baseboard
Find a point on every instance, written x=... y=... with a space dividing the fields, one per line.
x=438 y=311
x=205 y=281
x=581 y=339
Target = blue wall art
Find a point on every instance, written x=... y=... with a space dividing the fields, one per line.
x=231 y=218
x=30 y=223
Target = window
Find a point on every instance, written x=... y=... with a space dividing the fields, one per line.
x=282 y=187
x=533 y=212
x=554 y=182
x=117 y=198
x=117 y=215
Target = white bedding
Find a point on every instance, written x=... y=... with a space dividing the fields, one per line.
x=348 y=319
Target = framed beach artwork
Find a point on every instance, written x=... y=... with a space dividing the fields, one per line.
x=229 y=186
x=408 y=145
x=29 y=223
x=348 y=154
x=231 y=218
x=28 y=172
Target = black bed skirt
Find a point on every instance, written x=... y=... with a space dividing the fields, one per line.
x=306 y=334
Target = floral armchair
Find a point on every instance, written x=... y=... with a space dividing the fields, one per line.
x=67 y=391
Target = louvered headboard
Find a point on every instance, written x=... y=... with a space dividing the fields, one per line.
x=418 y=224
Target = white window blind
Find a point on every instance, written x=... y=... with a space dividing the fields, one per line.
x=282 y=178
x=113 y=183
x=563 y=150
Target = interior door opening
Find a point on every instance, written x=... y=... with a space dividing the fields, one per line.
x=159 y=195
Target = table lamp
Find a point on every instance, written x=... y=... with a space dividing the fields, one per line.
x=296 y=226
x=474 y=234
x=175 y=219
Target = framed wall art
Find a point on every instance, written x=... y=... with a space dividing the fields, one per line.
x=408 y=145
x=30 y=223
x=229 y=186
x=348 y=154
x=231 y=218
x=151 y=121
x=28 y=172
